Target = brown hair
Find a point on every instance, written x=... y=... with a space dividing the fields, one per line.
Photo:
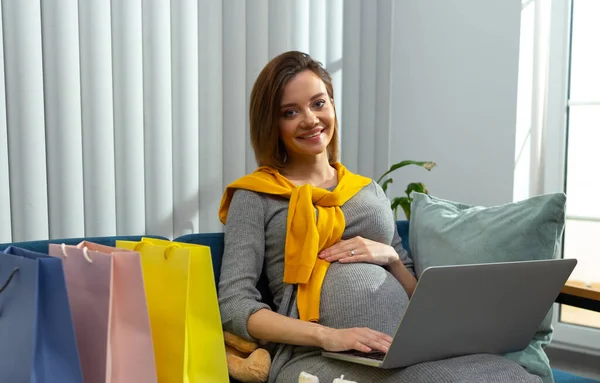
x=265 y=102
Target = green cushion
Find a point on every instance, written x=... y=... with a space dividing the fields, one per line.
x=443 y=232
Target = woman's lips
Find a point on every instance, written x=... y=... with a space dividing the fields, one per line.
x=316 y=134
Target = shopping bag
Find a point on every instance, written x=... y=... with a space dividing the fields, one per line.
x=108 y=302
x=184 y=311
x=37 y=339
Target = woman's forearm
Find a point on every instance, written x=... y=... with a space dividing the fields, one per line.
x=270 y=326
x=401 y=273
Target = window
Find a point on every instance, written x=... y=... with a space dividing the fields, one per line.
x=558 y=140
x=583 y=155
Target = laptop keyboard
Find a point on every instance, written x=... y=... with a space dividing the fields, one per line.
x=376 y=355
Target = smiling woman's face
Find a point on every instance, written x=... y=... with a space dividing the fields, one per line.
x=307 y=117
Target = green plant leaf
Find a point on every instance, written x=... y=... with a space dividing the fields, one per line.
x=394 y=205
x=416 y=187
x=404 y=203
x=428 y=165
x=384 y=185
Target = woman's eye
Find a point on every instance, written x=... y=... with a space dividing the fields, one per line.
x=289 y=113
x=319 y=104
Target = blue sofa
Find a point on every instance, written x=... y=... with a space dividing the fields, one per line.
x=215 y=242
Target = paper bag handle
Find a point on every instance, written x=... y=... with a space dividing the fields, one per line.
x=10 y=277
x=167 y=250
x=85 y=252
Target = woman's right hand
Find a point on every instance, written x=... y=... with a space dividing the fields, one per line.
x=358 y=338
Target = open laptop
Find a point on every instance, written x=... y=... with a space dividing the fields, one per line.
x=468 y=309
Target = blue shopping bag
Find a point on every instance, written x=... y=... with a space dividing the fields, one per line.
x=37 y=337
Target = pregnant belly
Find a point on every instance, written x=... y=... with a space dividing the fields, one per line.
x=362 y=295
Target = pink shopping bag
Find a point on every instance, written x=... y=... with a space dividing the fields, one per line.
x=110 y=313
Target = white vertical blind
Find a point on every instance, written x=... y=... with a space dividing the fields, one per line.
x=5 y=232
x=184 y=69
x=22 y=29
x=211 y=107
x=368 y=88
x=349 y=131
x=280 y=22
x=158 y=146
x=383 y=70
x=257 y=54
x=318 y=30
x=366 y=85
x=128 y=101
x=97 y=118
x=335 y=23
x=60 y=43
x=130 y=117
x=234 y=99
x=300 y=27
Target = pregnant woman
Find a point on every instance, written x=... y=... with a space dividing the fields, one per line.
x=327 y=241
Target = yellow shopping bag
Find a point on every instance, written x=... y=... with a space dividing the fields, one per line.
x=184 y=311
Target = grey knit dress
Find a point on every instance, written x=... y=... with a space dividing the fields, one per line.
x=353 y=295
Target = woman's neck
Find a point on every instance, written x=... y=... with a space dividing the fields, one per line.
x=318 y=173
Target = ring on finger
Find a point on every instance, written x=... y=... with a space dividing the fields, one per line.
x=352 y=253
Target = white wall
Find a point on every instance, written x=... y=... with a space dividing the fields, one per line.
x=454 y=96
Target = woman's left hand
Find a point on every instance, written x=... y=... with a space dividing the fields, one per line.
x=360 y=249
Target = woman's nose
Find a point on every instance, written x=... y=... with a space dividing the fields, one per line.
x=310 y=119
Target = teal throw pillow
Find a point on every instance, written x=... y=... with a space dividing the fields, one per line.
x=444 y=232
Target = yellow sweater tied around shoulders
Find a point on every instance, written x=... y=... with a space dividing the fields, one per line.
x=306 y=235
